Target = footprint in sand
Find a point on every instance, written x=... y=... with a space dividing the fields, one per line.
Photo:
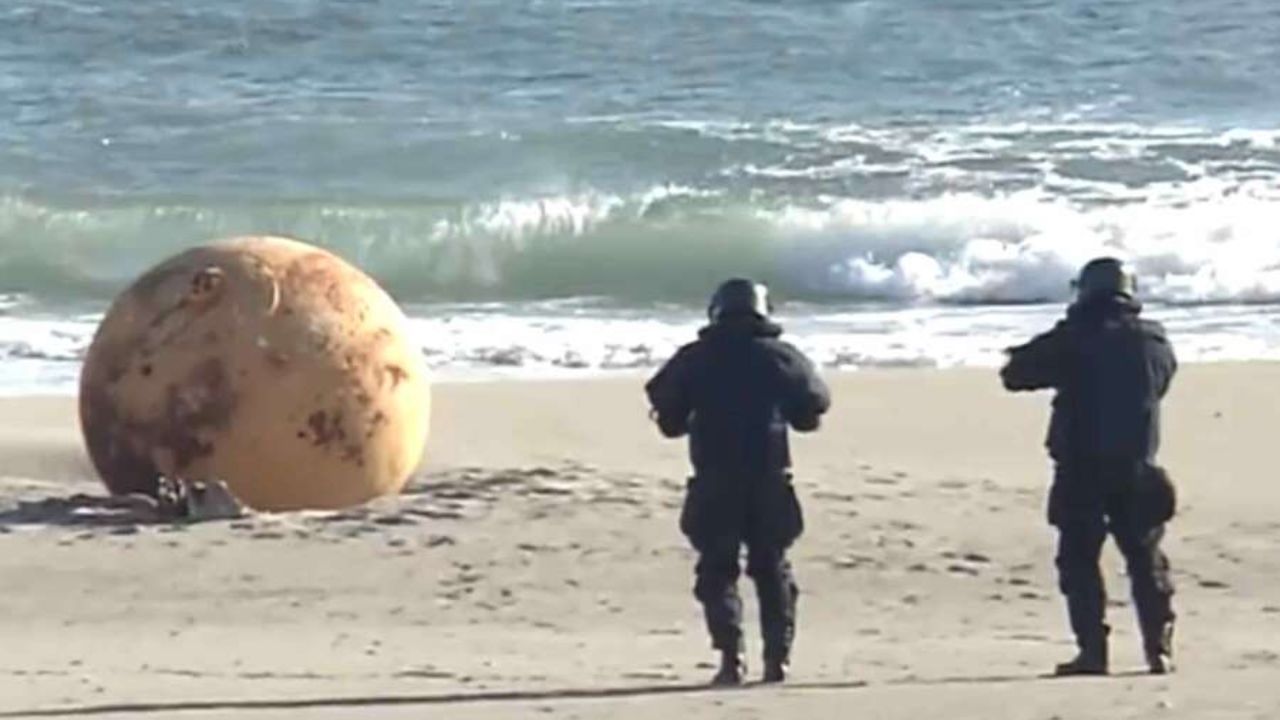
x=426 y=673
x=650 y=675
x=395 y=519
x=1261 y=657
x=966 y=561
x=834 y=496
x=359 y=530
x=435 y=514
x=1030 y=637
x=852 y=561
x=341 y=516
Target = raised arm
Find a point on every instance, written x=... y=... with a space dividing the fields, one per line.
x=1038 y=364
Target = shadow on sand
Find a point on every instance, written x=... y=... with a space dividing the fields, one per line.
x=512 y=696
x=88 y=511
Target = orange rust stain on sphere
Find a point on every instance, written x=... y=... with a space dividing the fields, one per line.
x=264 y=362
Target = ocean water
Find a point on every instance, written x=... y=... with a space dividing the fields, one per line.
x=554 y=186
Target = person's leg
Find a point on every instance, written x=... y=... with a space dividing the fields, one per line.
x=1079 y=549
x=1149 y=579
x=777 y=594
x=774 y=522
x=717 y=589
x=1077 y=509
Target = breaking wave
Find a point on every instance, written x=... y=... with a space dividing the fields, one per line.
x=1204 y=242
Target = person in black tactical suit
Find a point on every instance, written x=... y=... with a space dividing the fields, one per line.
x=1111 y=368
x=734 y=391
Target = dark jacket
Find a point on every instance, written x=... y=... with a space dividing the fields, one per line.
x=734 y=391
x=1111 y=369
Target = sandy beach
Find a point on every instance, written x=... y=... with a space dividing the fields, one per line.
x=534 y=568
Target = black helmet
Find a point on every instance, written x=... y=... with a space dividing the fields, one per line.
x=738 y=297
x=1103 y=278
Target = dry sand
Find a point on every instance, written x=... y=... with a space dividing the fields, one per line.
x=535 y=569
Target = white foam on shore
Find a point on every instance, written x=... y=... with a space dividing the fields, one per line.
x=470 y=342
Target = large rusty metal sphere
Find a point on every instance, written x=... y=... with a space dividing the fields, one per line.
x=266 y=363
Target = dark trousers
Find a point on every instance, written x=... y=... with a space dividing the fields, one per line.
x=721 y=515
x=1132 y=501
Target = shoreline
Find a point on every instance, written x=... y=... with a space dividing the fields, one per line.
x=1215 y=414
x=641 y=373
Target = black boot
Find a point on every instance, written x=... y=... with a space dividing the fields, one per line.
x=733 y=668
x=1158 y=644
x=1091 y=660
x=775 y=669
x=777 y=655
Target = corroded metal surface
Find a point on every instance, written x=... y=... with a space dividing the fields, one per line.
x=263 y=362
